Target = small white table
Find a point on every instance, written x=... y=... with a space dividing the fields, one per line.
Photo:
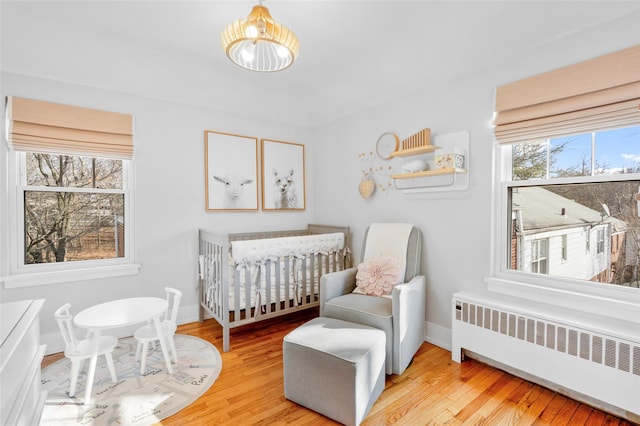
x=121 y=313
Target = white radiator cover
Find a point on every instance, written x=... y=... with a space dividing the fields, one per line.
x=577 y=355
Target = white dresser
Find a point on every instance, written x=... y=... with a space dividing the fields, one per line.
x=20 y=359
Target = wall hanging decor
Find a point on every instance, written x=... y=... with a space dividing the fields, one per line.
x=231 y=172
x=367 y=186
x=386 y=145
x=374 y=175
x=283 y=175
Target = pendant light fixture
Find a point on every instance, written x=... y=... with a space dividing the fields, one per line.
x=259 y=43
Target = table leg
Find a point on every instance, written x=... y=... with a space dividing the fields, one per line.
x=165 y=353
x=92 y=367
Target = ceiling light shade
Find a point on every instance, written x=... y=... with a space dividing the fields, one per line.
x=258 y=43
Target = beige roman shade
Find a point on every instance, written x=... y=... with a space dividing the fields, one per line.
x=39 y=126
x=593 y=95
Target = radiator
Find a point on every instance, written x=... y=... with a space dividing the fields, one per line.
x=565 y=353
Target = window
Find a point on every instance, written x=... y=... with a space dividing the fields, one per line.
x=583 y=185
x=73 y=208
x=539 y=256
x=568 y=172
x=70 y=196
x=600 y=241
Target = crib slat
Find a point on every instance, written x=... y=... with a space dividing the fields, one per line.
x=288 y=270
x=267 y=283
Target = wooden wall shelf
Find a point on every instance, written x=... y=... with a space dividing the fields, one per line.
x=415 y=151
x=436 y=179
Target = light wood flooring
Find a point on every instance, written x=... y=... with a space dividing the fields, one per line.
x=434 y=390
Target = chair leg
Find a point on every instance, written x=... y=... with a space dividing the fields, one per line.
x=112 y=368
x=75 y=370
x=144 y=358
x=172 y=343
x=138 y=350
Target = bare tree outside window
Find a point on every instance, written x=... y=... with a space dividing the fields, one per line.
x=73 y=208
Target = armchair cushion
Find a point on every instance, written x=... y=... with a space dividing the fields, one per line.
x=366 y=310
x=377 y=275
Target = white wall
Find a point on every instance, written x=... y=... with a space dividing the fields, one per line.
x=457 y=251
x=169 y=196
x=455 y=226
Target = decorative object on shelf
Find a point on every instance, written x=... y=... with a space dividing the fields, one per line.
x=417 y=140
x=418 y=143
x=386 y=145
x=418 y=165
x=452 y=157
x=258 y=43
x=367 y=186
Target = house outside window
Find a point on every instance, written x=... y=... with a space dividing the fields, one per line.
x=567 y=196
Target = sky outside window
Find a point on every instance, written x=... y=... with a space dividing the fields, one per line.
x=616 y=151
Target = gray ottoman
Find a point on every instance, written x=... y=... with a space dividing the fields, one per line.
x=334 y=367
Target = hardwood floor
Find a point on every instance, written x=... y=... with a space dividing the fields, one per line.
x=434 y=390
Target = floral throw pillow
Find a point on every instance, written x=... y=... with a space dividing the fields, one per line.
x=377 y=275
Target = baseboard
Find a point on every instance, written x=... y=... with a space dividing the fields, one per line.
x=437 y=335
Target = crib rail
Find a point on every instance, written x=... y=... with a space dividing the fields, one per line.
x=239 y=294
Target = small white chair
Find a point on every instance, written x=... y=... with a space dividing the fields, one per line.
x=147 y=334
x=79 y=350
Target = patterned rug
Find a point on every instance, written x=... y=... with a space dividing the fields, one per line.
x=136 y=399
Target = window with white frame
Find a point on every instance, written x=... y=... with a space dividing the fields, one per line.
x=549 y=199
x=569 y=162
x=73 y=208
x=70 y=193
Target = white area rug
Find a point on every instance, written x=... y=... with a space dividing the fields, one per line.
x=136 y=399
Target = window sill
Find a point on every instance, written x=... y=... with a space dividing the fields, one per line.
x=614 y=302
x=57 y=277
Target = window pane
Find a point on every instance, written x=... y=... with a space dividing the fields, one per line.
x=570 y=156
x=71 y=226
x=618 y=151
x=607 y=152
x=78 y=172
x=557 y=222
x=529 y=160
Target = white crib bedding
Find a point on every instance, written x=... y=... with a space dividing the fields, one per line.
x=243 y=251
x=289 y=252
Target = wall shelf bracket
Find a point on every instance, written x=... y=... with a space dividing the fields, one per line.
x=454 y=174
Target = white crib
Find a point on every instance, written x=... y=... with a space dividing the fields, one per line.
x=249 y=277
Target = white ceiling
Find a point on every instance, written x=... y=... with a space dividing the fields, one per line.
x=353 y=54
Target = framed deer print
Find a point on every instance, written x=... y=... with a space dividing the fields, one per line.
x=283 y=178
x=231 y=172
